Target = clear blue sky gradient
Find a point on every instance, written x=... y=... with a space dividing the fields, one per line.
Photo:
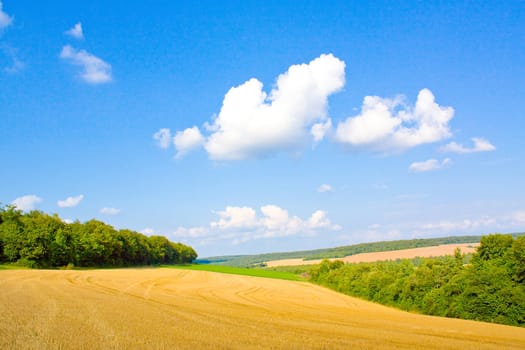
x=172 y=62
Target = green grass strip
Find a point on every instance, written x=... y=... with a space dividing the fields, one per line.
x=12 y=267
x=240 y=271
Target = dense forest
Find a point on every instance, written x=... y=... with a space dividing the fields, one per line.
x=491 y=287
x=39 y=240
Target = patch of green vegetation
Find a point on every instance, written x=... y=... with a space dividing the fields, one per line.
x=491 y=287
x=282 y=275
x=11 y=267
x=296 y=270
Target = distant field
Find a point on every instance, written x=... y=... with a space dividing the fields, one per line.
x=184 y=309
x=424 y=252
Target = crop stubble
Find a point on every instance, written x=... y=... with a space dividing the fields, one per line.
x=182 y=309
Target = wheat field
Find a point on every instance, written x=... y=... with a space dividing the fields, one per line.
x=422 y=252
x=182 y=309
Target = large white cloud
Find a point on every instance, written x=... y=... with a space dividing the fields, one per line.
x=480 y=145
x=252 y=123
x=242 y=224
x=389 y=125
x=428 y=165
x=94 y=69
x=5 y=19
x=70 y=201
x=27 y=202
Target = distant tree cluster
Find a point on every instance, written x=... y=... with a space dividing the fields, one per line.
x=490 y=288
x=36 y=239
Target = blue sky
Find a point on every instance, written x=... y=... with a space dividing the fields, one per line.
x=242 y=127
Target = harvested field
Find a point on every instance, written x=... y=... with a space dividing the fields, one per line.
x=424 y=252
x=183 y=309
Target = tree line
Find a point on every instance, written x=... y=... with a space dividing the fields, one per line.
x=39 y=240
x=491 y=287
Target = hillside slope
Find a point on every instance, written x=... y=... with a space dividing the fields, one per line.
x=338 y=252
x=167 y=308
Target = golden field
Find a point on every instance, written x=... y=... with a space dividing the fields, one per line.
x=182 y=309
x=423 y=252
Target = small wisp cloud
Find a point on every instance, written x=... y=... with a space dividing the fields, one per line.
x=429 y=165
x=324 y=188
x=76 y=32
x=5 y=19
x=479 y=145
x=70 y=202
x=94 y=70
x=109 y=211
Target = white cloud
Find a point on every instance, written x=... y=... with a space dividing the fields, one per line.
x=480 y=145
x=319 y=219
x=109 y=211
x=27 y=202
x=5 y=19
x=325 y=188
x=235 y=217
x=76 y=32
x=163 y=138
x=319 y=130
x=252 y=123
x=95 y=70
x=277 y=222
x=187 y=140
x=70 y=201
x=148 y=231
x=242 y=224
x=389 y=125
x=428 y=165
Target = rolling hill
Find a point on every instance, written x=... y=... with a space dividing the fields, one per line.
x=183 y=309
